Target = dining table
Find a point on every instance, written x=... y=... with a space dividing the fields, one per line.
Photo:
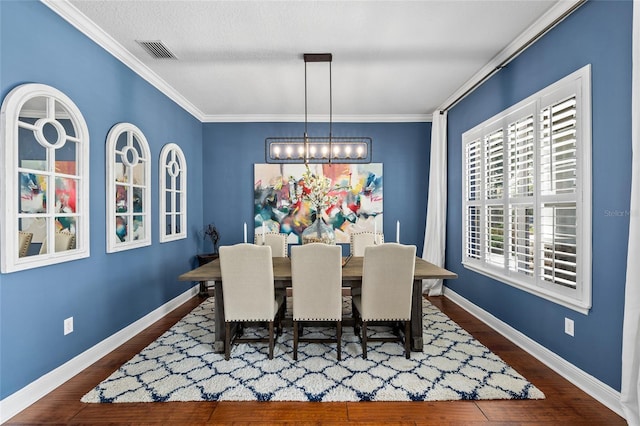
x=351 y=276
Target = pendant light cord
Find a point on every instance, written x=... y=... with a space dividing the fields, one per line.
x=330 y=114
x=306 y=135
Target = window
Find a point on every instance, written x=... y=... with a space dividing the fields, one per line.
x=527 y=194
x=45 y=182
x=128 y=189
x=173 y=194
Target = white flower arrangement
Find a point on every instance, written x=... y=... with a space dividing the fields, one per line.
x=315 y=190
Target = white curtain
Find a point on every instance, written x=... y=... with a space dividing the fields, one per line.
x=436 y=227
x=630 y=393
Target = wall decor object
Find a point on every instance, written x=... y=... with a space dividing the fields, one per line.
x=355 y=193
x=173 y=193
x=45 y=183
x=128 y=188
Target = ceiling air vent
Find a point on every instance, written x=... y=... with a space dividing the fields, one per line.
x=156 y=49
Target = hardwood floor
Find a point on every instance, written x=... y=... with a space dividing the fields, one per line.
x=564 y=404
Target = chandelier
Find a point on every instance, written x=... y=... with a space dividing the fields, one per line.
x=318 y=149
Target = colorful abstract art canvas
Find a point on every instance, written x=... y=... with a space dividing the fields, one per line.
x=355 y=191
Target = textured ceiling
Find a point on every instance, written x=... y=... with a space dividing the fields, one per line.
x=242 y=60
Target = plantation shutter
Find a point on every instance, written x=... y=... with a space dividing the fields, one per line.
x=520 y=136
x=558 y=200
x=494 y=165
x=473 y=180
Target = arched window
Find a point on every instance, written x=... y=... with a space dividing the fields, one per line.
x=128 y=188
x=45 y=182
x=173 y=193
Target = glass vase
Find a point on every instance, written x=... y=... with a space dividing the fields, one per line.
x=319 y=232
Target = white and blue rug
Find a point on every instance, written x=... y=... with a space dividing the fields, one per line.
x=180 y=366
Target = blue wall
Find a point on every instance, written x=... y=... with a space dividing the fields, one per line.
x=599 y=33
x=104 y=293
x=231 y=149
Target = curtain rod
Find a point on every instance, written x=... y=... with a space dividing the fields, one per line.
x=514 y=54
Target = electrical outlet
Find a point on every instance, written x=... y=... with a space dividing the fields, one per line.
x=568 y=326
x=68 y=326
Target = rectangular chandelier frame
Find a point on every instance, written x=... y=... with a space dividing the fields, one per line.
x=337 y=149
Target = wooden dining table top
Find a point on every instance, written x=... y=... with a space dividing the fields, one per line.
x=351 y=271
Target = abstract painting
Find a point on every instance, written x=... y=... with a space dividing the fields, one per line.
x=356 y=188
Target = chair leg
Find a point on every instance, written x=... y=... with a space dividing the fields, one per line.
x=364 y=339
x=339 y=339
x=271 y=340
x=227 y=340
x=295 y=340
x=407 y=339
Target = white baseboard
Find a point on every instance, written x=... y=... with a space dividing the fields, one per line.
x=589 y=384
x=23 y=398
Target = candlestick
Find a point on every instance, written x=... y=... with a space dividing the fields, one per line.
x=398 y=232
x=245 y=232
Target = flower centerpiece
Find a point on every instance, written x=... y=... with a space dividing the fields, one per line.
x=315 y=190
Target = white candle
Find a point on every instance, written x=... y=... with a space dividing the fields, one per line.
x=375 y=231
x=398 y=232
x=245 y=232
x=263 y=231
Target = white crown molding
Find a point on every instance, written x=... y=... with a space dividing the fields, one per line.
x=23 y=398
x=602 y=392
x=555 y=12
x=72 y=15
x=299 y=118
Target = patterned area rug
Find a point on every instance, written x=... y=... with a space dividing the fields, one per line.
x=180 y=366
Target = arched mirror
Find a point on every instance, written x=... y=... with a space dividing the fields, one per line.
x=46 y=179
x=128 y=188
x=173 y=193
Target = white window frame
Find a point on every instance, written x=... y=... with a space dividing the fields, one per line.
x=474 y=246
x=130 y=157
x=14 y=106
x=173 y=184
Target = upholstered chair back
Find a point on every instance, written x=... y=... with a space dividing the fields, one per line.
x=316 y=274
x=247 y=283
x=387 y=282
x=361 y=240
x=277 y=242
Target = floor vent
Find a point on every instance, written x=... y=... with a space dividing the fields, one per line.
x=156 y=49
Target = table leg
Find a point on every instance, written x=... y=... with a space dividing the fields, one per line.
x=218 y=344
x=416 y=316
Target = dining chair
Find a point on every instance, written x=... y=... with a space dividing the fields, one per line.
x=248 y=293
x=316 y=274
x=24 y=241
x=64 y=240
x=387 y=285
x=276 y=240
x=360 y=240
